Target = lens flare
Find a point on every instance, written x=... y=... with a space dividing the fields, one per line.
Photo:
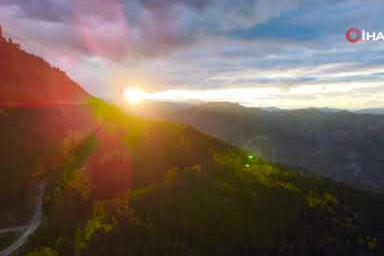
x=134 y=95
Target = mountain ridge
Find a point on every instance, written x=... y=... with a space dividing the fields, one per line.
x=341 y=145
x=19 y=70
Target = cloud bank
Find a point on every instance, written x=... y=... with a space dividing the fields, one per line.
x=285 y=46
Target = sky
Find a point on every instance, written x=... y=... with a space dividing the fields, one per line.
x=261 y=53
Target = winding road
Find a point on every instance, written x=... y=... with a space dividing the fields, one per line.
x=13 y=230
x=31 y=227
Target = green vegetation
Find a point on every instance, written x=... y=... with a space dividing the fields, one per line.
x=339 y=145
x=44 y=251
x=183 y=193
x=7 y=238
x=121 y=184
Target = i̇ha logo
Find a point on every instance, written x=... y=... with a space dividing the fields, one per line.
x=355 y=35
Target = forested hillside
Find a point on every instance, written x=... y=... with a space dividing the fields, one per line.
x=47 y=86
x=341 y=145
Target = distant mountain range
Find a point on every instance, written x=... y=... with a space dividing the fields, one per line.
x=152 y=108
x=341 y=145
x=373 y=111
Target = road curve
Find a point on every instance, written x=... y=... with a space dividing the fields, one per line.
x=13 y=230
x=33 y=225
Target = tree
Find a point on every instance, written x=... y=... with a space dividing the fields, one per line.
x=43 y=251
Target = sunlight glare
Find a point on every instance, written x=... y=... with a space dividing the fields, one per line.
x=134 y=95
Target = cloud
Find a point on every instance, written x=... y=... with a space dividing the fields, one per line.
x=138 y=27
x=204 y=44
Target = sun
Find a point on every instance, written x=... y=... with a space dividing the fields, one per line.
x=134 y=95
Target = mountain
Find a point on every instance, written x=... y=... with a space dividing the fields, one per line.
x=373 y=111
x=340 y=145
x=40 y=107
x=48 y=86
x=331 y=110
x=326 y=110
x=118 y=184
